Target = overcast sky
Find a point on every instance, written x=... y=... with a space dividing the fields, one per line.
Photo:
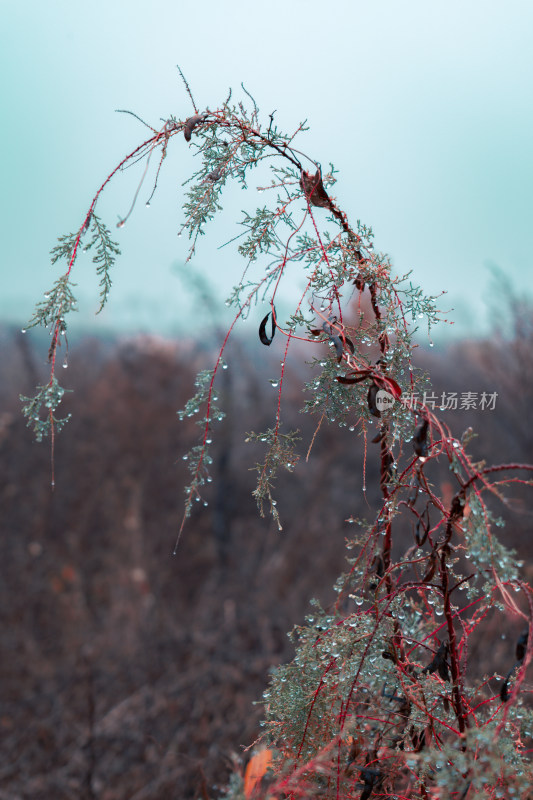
x=425 y=107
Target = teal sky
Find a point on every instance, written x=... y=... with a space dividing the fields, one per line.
x=424 y=107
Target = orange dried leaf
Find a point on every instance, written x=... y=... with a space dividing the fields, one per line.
x=256 y=768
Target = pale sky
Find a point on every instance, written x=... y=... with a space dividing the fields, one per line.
x=424 y=107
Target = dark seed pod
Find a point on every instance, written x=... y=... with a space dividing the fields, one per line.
x=418 y=739
x=521 y=645
x=337 y=343
x=439 y=663
x=359 y=282
x=263 y=336
x=424 y=525
x=349 y=344
x=313 y=189
x=390 y=386
x=354 y=377
x=420 y=443
x=431 y=567
x=190 y=125
x=371 y=778
x=457 y=509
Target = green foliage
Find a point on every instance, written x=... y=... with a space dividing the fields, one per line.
x=380 y=700
x=57 y=303
x=104 y=257
x=281 y=454
x=198 y=458
x=46 y=399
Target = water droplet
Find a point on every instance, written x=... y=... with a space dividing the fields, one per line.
x=420 y=316
x=52 y=484
x=208 y=441
x=185 y=458
x=65 y=364
x=147 y=204
x=179 y=233
x=274 y=383
x=224 y=366
x=23 y=330
x=351 y=428
x=86 y=248
x=206 y=503
x=121 y=223
x=47 y=295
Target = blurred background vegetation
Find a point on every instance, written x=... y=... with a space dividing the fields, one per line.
x=131 y=673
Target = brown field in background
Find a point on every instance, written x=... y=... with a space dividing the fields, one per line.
x=128 y=673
